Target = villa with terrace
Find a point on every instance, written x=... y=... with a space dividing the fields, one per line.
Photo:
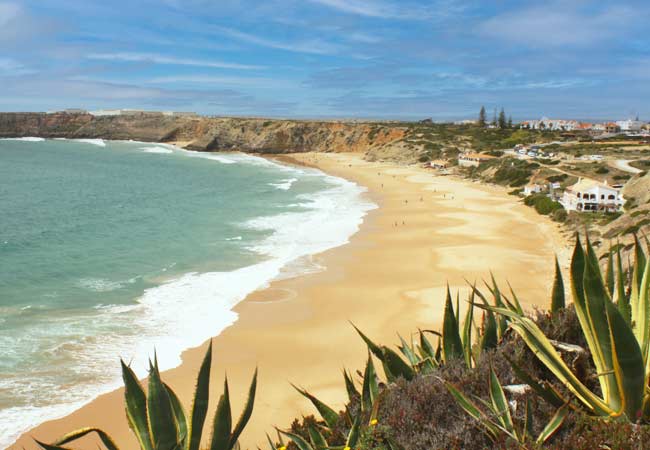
x=591 y=195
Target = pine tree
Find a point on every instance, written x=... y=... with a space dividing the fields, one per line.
x=510 y=122
x=481 y=117
x=502 y=119
x=494 y=118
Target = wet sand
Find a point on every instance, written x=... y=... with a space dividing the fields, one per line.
x=429 y=230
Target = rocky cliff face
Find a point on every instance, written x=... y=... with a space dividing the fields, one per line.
x=210 y=134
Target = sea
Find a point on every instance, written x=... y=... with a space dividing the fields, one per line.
x=117 y=249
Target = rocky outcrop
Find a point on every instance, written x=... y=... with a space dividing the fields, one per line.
x=210 y=134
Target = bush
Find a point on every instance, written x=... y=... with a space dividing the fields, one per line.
x=543 y=204
x=559 y=215
x=602 y=170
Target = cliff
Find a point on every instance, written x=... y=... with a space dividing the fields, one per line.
x=210 y=134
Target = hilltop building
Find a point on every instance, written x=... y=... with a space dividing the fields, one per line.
x=591 y=195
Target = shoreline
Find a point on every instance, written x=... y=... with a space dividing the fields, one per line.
x=398 y=265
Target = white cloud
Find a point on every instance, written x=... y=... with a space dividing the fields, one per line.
x=218 y=80
x=314 y=46
x=382 y=9
x=558 y=25
x=171 y=60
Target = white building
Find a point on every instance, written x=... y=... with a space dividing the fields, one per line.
x=534 y=188
x=590 y=195
x=630 y=125
x=551 y=124
x=473 y=159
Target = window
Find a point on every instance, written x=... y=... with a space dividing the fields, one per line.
x=612 y=197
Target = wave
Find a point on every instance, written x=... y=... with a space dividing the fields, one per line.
x=25 y=139
x=284 y=185
x=97 y=142
x=156 y=149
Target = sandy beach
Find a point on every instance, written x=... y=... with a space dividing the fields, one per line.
x=428 y=231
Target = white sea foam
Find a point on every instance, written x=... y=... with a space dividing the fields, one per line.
x=97 y=142
x=206 y=299
x=99 y=284
x=156 y=149
x=284 y=185
x=25 y=139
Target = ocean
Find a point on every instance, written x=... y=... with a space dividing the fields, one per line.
x=112 y=249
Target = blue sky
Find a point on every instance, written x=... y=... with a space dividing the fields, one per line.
x=399 y=59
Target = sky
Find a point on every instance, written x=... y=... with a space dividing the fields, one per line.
x=377 y=59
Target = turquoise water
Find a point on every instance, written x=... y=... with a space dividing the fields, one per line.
x=109 y=249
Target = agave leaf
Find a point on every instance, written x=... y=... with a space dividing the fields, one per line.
x=246 y=413
x=350 y=387
x=515 y=300
x=557 y=298
x=502 y=323
x=539 y=344
x=470 y=408
x=528 y=422
x=179 y=415
x=161 y=415
x=270 y=441
x=374 y=348
x=578 y=269
x=629 y=367
x=609 y=274
x=136 y=407
x=553 y=425
x=105 y=438
x=330 y=416
x=426 y=349
x=622 y=300
x=490 y=337
x=500 y=403
x=641 y=316
x=407 y=351
x=467 y=331
x=222 y=424
x=452 y=346
x=317 y=438
x=200 y=405
x=300 y=442
x=49 y=446
x=369 y=389
x=353 y=435
x=596 y=301
x=396 y=365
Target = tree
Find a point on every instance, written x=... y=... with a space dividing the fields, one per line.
x=510 y=122
x=494 y=118
x=482 y=117
x=502 y=119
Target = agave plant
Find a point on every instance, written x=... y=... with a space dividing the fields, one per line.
x=619 y=342
x=159 y=421
x=498 y=420
x=457 y=340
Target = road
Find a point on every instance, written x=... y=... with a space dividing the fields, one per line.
x=624 y=165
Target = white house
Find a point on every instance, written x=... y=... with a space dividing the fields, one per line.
x=591 y=195
x=630 y=125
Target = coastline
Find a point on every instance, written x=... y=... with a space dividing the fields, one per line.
x=428 y=230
